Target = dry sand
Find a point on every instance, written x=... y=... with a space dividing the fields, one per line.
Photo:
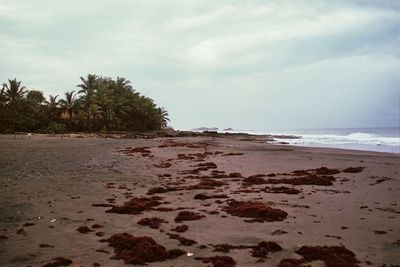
x=48 y=188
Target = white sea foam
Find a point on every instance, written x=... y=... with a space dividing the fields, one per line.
x=360 y=141
x=373 y=139
x=353 y=138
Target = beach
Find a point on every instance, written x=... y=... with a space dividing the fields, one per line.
x=238 y=197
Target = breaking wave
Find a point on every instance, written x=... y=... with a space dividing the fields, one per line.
x=357 y=140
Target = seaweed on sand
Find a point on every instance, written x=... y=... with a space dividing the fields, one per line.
x=140 y=250
x=260 y=212
x=188 y=216
x=136 y=205
x=153 y=223
x=333 y=256
x=218 y=261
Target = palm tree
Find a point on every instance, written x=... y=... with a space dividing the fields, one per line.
x=105 y=100
x=123 y=92
x=96 y=113
x=163 y=117
x=3 y=98
x=88 y=88
x=68 y=104
x=123 y=86
x=88 y=84
x=53 y=105
x=14 y=91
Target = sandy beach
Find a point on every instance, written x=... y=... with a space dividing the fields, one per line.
x=249 y=202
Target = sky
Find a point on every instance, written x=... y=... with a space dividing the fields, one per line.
x=242 y=64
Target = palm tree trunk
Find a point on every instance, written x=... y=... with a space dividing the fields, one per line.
x=88 y=121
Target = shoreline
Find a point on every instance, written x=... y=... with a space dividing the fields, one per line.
x=49 y=187
x=274 y=139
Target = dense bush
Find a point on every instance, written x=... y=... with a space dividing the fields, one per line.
x=55 y=128
x=100 y=103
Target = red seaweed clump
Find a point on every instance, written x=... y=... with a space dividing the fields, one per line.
x=140 y=250
x=282 y=190
x=318 y=171
x=292 y=263
x=188 y=216
x=326 y=171
x=131 y=151
x=353 y=169
x=304 y=180
x=333 y=256
x=84 y=229
x=254 y=179
x=180 y=228
x=194 y=156
x=208 y=165
x=204 y=196
x=103 y=205
x=153 y=223
x=218 y=261
x=159 y=190
x=232 y=154
x=262 y=249
x=59 y=261
x=45 y=246
x=182 y=240
x=260 y=212
x=136 y=205
x=301 y=172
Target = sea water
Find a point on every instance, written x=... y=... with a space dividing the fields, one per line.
x=371 y=139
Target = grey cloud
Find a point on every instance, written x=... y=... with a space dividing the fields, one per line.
x=245 y=63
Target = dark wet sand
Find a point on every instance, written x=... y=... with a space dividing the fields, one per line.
x=48 y=188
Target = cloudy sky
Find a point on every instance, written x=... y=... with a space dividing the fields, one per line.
x=241 y=64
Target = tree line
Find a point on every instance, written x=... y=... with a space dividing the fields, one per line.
x=98 y=104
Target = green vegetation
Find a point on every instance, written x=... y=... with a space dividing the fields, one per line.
x=100 y=104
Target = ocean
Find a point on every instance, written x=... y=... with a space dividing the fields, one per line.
x=371 y=139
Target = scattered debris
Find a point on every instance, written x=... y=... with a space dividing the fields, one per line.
x=21 y=232
x=310 y=179
x=255 y=179
x=188 y=216
x=204 y=196
x=257 y=210
x=262 y=249
x=84 y=229
x=182 y=240
x=180 y=228
x=292 y=263
x=353 y=169
x=333 y=256
x=59 y=261
x=282 y=190
x=218 y=261
x=140 y=250
x=136 y=205
x=45 y=246
x=153 y=223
